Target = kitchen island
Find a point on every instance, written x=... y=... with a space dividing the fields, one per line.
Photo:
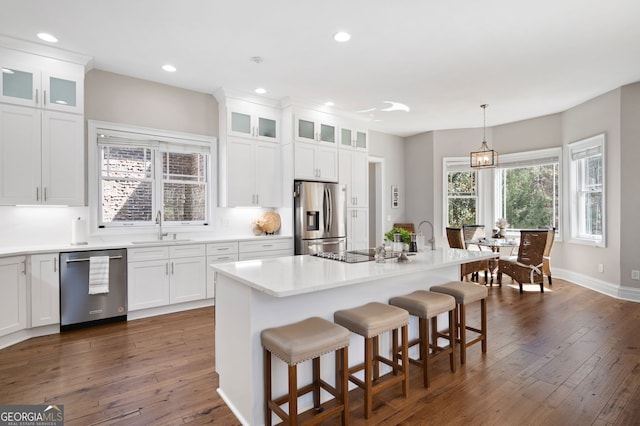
x=254 y=295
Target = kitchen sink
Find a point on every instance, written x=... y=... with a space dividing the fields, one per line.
x=161 y=241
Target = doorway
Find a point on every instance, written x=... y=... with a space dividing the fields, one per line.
x=376 y=211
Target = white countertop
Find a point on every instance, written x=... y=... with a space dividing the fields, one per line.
x=293 y=275
x=103 y=245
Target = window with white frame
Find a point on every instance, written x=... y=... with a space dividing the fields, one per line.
x=527 y=187
x=138 y=178
x=461 y=204
x=587 y=195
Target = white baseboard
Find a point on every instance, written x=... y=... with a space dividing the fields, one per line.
x=604 y=287
x=233 y=408
x=169 y=309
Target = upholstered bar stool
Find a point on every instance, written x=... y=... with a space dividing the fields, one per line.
x=298 y=342
x=427 y=305
x=465 y=294
x=370 y=321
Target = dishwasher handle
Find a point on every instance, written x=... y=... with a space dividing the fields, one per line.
x=86 y=259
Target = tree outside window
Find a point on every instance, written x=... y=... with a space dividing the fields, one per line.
x=462 y=198
x=530 y=196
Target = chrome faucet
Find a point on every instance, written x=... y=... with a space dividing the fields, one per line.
x=432 y=241
x=159 y=223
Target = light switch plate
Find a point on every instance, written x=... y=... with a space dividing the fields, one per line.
x=635 y=275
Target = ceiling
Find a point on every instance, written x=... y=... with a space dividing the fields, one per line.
x=443 y=59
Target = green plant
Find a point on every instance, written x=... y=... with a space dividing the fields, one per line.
x=405 y=236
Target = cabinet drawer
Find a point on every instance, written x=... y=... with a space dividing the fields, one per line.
x=214 y=249
x=191 y=250
x=220 y=258
x=264 y=254
x=147 y=253
x=253 y=246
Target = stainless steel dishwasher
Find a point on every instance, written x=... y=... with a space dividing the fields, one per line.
x=79 y=308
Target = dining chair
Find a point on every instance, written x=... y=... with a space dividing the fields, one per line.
x=472 y=232
x=409 y=227
x=527 y=267
x=546 y=255
x=454 y=236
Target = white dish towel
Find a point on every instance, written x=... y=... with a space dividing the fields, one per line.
x=98 y=274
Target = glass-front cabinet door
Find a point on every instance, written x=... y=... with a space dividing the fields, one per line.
x=361 y=140
x=62 y=93
x=345 y=138
x=33 y=88
x=254 y=125
x=18 y=86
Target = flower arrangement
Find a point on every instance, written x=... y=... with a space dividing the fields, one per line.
x=502 y=223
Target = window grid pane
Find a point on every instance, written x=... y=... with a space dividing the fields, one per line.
x=530 y=196
x=462 y=202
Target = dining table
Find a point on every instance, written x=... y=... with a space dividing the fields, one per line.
x=495 y=244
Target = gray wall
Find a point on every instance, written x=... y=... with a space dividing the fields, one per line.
x=121 y=99
x=630 y=177
x=419 y=166
x=392 y=149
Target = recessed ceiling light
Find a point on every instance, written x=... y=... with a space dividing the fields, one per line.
x=329 y=103
x=260 y=91
x=169 y=68
x=47 y=37
x=342 y=36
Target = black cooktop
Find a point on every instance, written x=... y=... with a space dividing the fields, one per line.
x=352 y=256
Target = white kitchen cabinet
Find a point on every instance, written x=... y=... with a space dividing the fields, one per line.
x=315 y=162
x=219 y=253
x=159 y=276
x=250 y=163
x=22 y=84
x=13 y=288
x=249 y=120
x=354 y=138
x=313 y=126
x=42 y=157
x=45 y=289
x=249 y=250
x=354 y=174
x=252 y=173
x=357 y=228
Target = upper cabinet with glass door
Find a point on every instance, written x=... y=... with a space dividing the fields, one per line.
x=353 y=137
x=253 y=121
x=312 y=126
x=42 y=89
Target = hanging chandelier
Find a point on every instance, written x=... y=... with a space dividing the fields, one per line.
x=485 y=158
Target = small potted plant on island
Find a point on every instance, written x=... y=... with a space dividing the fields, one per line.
x=405 y=237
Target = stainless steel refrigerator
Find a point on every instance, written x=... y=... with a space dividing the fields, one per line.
x=320 y=217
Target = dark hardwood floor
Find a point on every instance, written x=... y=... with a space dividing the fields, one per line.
x=570 y=356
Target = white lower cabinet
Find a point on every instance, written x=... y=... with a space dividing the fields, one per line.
x=13 y=288
x=249 y=250
x=45 y=289
x=357 y=229
x=159 y=276
x=219 y=253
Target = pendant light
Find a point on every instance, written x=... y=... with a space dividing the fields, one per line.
x=485 y=158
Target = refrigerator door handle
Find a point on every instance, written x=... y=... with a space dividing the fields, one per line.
x=330 y=219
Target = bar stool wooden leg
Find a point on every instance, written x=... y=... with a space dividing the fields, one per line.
x=463 y=333
x=405 y=360
x=452 y=342
x=266 y=367
x=483 y=323
x=423 y=330
x=368 y=385
x=293 y=395
x=316 y=384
